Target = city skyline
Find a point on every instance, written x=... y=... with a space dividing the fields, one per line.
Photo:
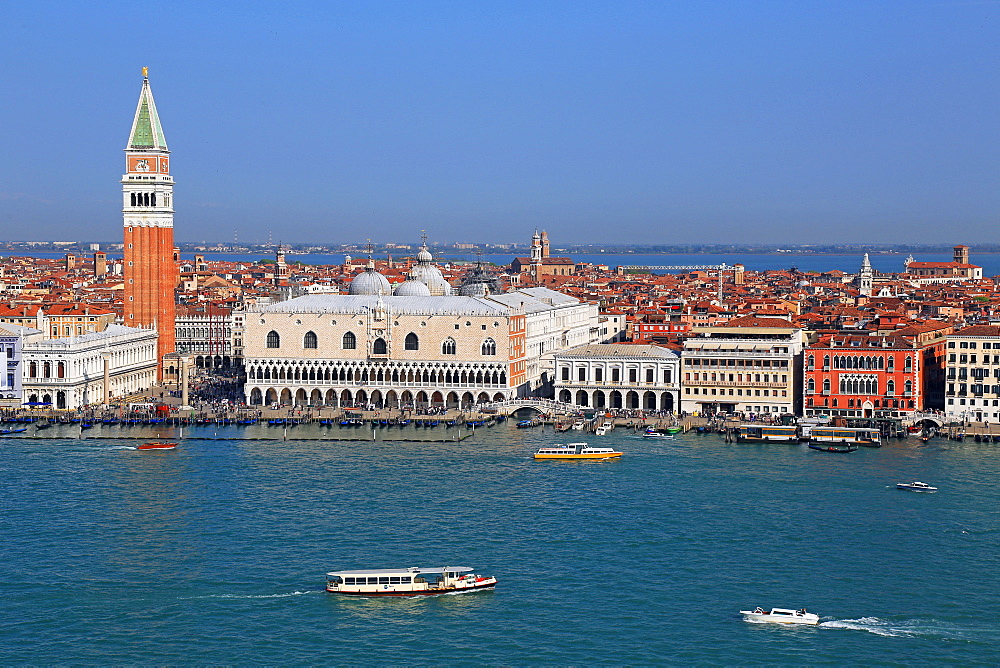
x=598 y=123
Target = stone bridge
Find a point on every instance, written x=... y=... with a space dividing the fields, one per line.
x=540 y=405
x=917 y=418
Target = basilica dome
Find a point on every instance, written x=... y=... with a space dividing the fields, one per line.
x=370 y=282
x=412 y=288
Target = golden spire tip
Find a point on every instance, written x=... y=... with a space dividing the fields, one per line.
x=145 y=72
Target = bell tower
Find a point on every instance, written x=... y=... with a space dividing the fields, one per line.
x=148 y=210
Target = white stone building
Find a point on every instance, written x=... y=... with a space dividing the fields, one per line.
x=10 y=353
x=619 y=376
x=749 y=365
x=972 y=374
x=73 y=372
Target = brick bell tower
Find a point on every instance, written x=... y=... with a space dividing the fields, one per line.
x=148 y=210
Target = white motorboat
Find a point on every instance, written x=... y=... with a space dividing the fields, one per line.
x=916 y=486
x=780 y=616
x=579 y=424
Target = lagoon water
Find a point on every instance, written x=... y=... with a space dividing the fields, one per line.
x=215 y=553
x=883 y=262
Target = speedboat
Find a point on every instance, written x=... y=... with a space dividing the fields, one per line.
x=156 y=445
x=576 y=451
x=781 y=616
x=408 y=581
x=916 y=486
x=652 y=433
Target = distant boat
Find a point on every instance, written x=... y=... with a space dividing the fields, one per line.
x=576 y=451
x=834 y=447
x=916 y=486
x=781 y=616
x=157 y=445
x=408 y=581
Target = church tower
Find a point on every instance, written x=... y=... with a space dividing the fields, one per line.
x=148 y=209
x=866 y=277
x=536 y=255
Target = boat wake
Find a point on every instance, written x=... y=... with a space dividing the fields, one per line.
x=248 y=596
x=901 y=629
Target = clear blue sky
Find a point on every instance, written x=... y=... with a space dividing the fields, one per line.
x=658 y=122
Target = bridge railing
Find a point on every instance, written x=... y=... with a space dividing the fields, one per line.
x=550 y=404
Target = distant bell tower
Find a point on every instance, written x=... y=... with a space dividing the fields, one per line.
x=536 y=255
x=866 y=277
x=545 y=244
x=148 y=209
x=962 y=254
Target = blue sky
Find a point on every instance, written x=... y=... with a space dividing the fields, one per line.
x=645 y=122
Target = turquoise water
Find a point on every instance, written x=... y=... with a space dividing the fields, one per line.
x=215 y=553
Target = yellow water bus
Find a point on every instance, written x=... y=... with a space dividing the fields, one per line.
x=576 y=451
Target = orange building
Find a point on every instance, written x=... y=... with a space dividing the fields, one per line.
x=150 y=272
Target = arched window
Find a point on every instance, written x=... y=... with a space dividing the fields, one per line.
x=350 y=341
x=411 y=342
x=811 y=386
x=826 y=361
x=46 y=370
x=309 y=340
x=811 y=361
x=826 y=385
x=489 y=347
x=908 y=388
x=379 y=347
x=61 y=370
x=890 y=387
x=448 y=346
x=33 y=370
x=152 y=199
x=133 y=198
x=908 y=364
x=273 y=340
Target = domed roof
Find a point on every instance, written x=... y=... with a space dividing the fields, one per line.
x=412 y=288
x=424 y=255
x=474 y=290
x=370 y=282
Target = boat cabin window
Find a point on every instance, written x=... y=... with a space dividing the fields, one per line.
x=349 y=581
x=336 y=579
x=383 y=581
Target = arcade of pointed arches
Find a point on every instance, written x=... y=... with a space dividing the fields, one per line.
x=391 y=384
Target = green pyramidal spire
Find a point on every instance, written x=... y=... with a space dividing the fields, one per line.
x=146 y=130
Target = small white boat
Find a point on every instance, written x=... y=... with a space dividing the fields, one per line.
x=916 y=486
x=605 y=428
x=579 y=424
x=652 y=433
x=781 y=616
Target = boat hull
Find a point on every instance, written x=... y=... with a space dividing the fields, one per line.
x=420 y=592
x=791 y=620
x=156 y=446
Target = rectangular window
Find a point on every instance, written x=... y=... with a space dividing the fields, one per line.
x=383 y=580
x=599 y=375
x=373 y=581
x=649 y=375
x=616 y=375
x=632 y=375
x=581 y=374
x=565 y=373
